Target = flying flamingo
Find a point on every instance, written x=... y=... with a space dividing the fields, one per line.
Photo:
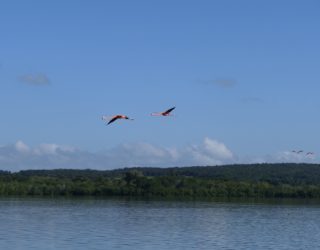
x=114 y=118
x=310 y=153
x=165 y=113
x=297 y=151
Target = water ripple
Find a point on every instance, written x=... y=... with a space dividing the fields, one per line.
x=119 y=224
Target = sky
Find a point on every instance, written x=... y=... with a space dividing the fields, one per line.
x=243 y=75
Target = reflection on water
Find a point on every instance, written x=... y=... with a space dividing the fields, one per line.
x=134 y=224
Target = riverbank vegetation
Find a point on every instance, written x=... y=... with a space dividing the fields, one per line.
x=231 y=181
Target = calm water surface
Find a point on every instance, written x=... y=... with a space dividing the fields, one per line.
x=120 y=224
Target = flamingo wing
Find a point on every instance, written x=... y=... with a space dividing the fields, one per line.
x=113 y=119
x=168 y=111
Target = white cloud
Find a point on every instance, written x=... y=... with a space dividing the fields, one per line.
x=288 y=156
x=21 y=147
x=46 y=156
x=51 y=149
x=217 y=149
x=281 y=157
x=210 y=152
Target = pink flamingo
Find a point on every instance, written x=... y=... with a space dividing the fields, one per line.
x=165 y=113
x=114 y=118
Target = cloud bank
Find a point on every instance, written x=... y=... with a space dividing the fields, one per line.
x=288 y=156
x=21 y=156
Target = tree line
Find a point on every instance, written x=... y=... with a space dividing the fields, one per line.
x=243 y=180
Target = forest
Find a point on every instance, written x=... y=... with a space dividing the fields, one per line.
x=286 y=180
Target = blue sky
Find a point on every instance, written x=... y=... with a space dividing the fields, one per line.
x=244 y=77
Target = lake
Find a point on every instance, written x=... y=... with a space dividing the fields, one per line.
x=32 y=223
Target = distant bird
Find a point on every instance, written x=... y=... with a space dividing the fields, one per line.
x=310 y=153
x=165 y=113
x=297 y=152
x=114 y=118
